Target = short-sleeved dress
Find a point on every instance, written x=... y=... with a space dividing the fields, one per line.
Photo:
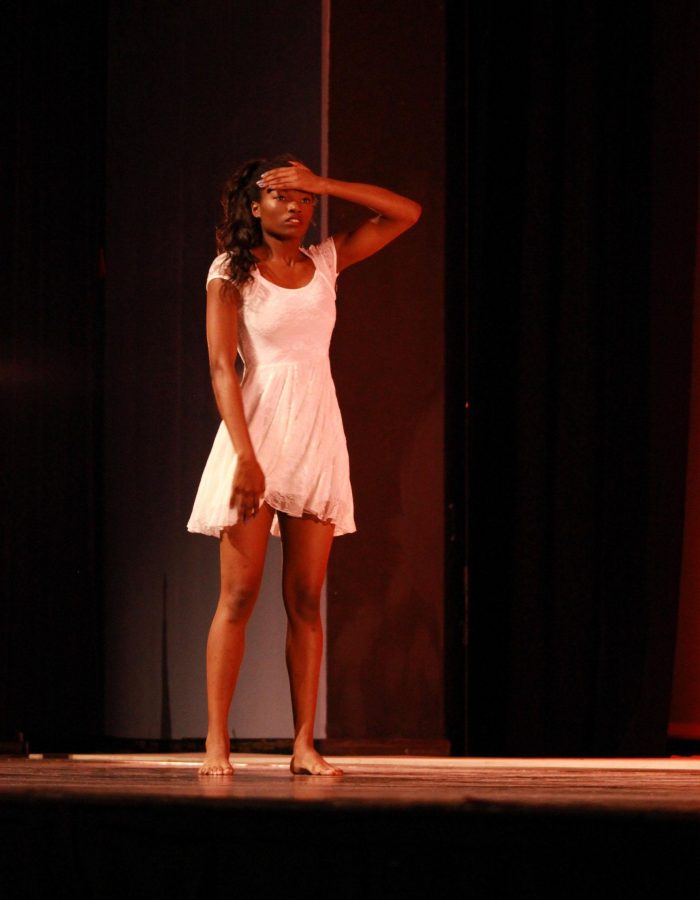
x=290 y=404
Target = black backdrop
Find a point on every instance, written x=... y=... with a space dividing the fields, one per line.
x=52 y=232
x=582 y=194
x=582 y=207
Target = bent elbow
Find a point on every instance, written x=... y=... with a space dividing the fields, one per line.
x=416 y=212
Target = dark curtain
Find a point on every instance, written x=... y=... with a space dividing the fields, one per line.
x=582 y=203
x=192 y=93
x=386 y=583
x=52 y=231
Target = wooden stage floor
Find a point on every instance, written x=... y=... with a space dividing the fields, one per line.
x=109 y=826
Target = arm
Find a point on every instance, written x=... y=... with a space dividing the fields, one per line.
x=395 y=214
x=222 y=336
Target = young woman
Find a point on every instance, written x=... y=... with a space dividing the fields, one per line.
x=279 y=462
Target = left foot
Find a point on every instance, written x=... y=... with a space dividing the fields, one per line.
x=309 y=762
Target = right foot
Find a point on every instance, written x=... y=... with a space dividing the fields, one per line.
x=217 y=761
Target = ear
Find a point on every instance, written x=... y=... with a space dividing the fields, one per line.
x=255 y=209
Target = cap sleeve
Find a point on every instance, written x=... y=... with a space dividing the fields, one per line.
x=325 y=259
x=219 y=269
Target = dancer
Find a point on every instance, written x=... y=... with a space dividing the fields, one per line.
x=279 y=462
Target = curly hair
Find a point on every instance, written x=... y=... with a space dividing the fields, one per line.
x=239 y=231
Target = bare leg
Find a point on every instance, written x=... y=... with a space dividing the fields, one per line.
x=242 y=554
x=307 y=546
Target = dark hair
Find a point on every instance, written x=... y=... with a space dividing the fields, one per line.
x=239 y=230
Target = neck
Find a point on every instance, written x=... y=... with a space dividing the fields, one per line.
x=275 y=249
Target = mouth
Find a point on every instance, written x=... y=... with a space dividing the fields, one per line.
x=293 y=220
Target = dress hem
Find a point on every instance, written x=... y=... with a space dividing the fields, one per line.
x=214 y=530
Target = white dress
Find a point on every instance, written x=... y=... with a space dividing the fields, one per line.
x=290 y=404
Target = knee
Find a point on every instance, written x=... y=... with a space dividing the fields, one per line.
x=303 y=603
x=236 y=604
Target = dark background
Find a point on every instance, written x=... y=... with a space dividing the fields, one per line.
x=51 y=642
x=554 y=148
x=192 y=91
x=582 y=217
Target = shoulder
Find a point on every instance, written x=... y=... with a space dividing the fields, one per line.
x=325 y=256
x=219 y=268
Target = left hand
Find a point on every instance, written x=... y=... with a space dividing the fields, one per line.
x=297 y=177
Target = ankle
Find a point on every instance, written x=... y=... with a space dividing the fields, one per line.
x=303 y=743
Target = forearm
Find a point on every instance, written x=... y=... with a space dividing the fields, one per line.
x=385 y=203
x=229 y=401
x=394 y=213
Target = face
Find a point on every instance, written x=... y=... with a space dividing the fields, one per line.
x=284 y=214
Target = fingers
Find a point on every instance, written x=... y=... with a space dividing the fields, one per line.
x=274 y=179
x=248 y=489
x=246 y=503
x=294 y=176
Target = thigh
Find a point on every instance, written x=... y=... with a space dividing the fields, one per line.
x=242 y=549
x=306 y=546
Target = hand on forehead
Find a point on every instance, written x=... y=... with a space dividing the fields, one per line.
x=293 y=175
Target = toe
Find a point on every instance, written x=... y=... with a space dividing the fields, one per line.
x=215 y=769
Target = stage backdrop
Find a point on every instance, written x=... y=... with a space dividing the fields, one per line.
x=194 y=89
x=583 y=197
x=54 y=78
x=386 y=584
x=685 y=708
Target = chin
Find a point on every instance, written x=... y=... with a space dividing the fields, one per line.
x=287 y=232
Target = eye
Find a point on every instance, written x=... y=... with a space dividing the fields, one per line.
x=281 y=197
x=306 y=201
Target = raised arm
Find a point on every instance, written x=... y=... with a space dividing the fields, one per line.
x=394 y=213
x=222 y=337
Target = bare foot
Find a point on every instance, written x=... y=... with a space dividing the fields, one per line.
x=309 y=762
x=217 y=762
